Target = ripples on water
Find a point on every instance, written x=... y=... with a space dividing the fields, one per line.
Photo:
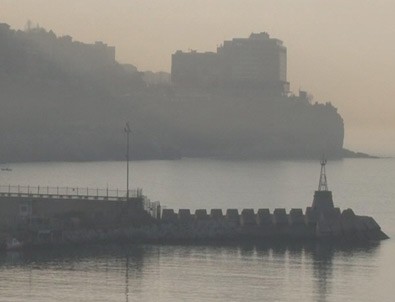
x=193 y=273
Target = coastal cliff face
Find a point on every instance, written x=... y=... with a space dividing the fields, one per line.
x=258 y=126
x=66 y=100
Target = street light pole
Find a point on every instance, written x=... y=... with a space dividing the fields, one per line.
x=127 y=131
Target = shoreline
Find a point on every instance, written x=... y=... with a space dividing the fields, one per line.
x=348 y=155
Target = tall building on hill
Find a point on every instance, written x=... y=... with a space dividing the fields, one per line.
x=195 y=69
x=258 y=62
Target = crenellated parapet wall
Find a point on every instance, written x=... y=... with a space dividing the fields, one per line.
x=38 y=218
x=90 y=219
x=248 y=223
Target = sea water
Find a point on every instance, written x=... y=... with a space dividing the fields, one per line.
x=212 y=273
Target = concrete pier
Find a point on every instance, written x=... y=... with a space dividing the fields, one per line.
x=314 y=224
x=184 y=216
x=247 y=217
x=216 y=214
x=168 y=215
x=232 y=216
x=296 y=217
x=264 y=218
x=201 y=214
x=280 y=217
x=79 y=219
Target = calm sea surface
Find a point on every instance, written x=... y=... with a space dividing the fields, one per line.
x=213 y=273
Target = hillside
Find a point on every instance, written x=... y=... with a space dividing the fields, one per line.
x=67 y=100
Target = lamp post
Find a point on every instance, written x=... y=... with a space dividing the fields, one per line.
x=127 y=131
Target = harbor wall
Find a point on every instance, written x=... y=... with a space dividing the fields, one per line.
x=247 y=224
x=69 y=212
x=87 y=220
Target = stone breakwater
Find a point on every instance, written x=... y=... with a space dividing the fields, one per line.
x=262 y=224
x=322 y=221
x=73 y=221
x=259 y=226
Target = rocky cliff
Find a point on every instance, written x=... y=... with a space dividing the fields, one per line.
x=66 y=100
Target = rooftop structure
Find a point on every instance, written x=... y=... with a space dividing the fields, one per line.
x=258 y=62
x=195 y=69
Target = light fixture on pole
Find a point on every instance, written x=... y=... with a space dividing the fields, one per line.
x=127 y=131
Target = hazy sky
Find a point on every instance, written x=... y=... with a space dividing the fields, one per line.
x=341 y=51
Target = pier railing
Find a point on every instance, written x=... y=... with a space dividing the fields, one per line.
x=67 y=192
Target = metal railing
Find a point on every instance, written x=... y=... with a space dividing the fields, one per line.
x=67 y=192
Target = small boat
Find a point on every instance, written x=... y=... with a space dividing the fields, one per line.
x=13 y=244
x=6 y=169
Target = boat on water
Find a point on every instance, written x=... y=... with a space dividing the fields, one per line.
x=6 y=169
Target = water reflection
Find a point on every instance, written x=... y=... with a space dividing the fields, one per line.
x=147 y=272
x=111 y=264
x=72 y=254
x=323 y=256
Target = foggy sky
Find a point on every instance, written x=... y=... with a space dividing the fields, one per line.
x=339 y=51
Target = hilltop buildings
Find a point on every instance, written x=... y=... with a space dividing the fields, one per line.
x=35 y=46
x=256 y=62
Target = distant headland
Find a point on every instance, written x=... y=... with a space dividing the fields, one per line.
x=67 y=100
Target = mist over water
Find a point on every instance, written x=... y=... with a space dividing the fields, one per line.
x=212 y=273
x=348 y=62
x=64 y=96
